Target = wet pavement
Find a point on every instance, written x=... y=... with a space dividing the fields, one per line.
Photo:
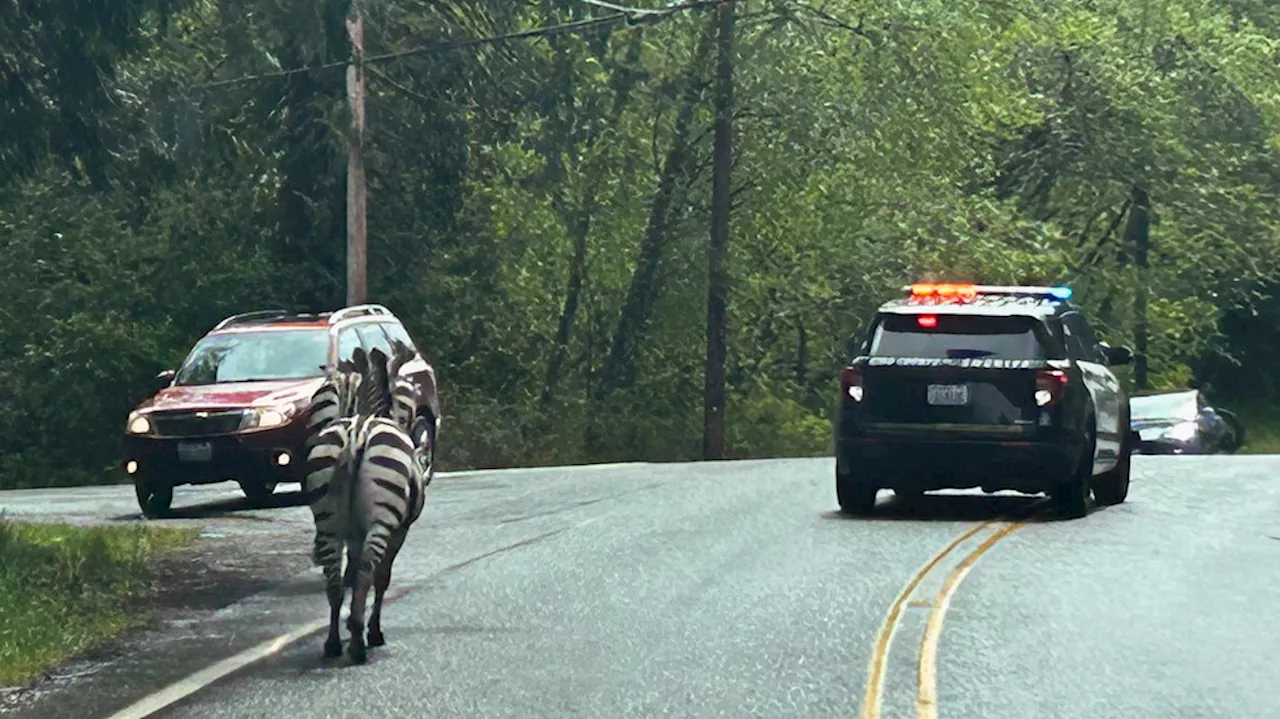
x=733 y=589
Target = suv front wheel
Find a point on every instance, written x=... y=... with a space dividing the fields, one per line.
x=154 y=501
x=257 y=492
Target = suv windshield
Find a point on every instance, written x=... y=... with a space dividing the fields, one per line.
x=1177 y=405
x=957 y=337
x=252 y=356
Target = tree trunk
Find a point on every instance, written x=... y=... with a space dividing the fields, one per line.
x=717 y=250
x=578 y=227
x=619 y=365
x=1138 y=236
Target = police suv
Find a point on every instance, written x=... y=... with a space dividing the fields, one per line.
x=1003 y=388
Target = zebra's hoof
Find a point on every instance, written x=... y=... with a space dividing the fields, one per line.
x=357 y=653
x=376 y=639
x=333 y=648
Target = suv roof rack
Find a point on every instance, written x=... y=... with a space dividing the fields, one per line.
x=347 y=313
x=246 y=317
x=266 y=316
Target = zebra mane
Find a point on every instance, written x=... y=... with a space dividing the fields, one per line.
x=375 y=387
x=346 y=381
x=400 y=356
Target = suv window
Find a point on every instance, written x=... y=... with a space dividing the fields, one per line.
x=959 y=337
x=255 y=356
x=373 y=338
x=348 y=341
x=396 y=331
x=1079 y=337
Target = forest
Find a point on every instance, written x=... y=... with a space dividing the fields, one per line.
x=541 y=192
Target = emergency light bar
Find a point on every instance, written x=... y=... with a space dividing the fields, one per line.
x=967 y=292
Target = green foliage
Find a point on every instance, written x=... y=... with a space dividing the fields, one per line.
x=514 y=194
x=67 y=589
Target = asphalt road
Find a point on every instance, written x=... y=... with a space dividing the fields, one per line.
x=734 y=589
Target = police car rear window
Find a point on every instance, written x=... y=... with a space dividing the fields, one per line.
x=957 y=337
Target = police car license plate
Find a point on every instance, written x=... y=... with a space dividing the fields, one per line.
x=948 y=395
x=195 y=451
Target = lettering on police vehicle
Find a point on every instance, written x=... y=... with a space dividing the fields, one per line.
x=968 y=362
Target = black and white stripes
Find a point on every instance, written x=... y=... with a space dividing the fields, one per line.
x=365 y=491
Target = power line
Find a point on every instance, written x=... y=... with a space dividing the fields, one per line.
x=670 y=7
x=621 y=15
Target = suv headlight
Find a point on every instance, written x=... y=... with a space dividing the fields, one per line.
x=1182 y=431
x=269 y=417
x=139 y=424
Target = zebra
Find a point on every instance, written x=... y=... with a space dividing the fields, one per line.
x=365 y=491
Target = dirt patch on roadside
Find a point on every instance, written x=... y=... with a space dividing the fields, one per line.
x=191 y=586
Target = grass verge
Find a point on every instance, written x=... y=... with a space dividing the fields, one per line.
x=67 y=589
x=1261 y=426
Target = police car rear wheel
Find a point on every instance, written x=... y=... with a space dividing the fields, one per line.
x=1074 y=496
x=1112 y=487
x=855 y=497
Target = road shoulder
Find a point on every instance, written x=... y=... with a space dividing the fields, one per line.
x=218 y=597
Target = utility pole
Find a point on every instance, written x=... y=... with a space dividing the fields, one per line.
x=717 y=251
x=357 y=225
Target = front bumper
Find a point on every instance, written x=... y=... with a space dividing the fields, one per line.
x=1167 y=446
x=247 y=456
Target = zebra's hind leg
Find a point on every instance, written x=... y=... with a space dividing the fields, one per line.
x=335 y=591
x=355 y=621
x=382 y=580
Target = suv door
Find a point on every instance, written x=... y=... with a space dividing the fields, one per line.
x=1103 y=387
x=418 y=371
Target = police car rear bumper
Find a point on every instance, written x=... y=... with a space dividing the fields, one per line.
x=954 y=459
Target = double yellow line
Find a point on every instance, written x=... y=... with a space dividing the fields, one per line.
x=927 y=668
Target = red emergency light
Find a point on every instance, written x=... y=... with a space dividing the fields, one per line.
x=927 y=321
x=944 y=292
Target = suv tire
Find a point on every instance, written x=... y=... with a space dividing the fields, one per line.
x=1112 y=487
x=855 y=497
x=1074 y=496
x=257 y=493
x=154 y=501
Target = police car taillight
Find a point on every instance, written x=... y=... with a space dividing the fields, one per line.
x=851 y=384
x=1050 y=386
x=927 y=321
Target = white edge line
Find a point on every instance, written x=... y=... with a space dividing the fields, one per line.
x=199 y=680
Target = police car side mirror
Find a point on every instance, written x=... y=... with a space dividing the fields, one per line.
x=1115 y=356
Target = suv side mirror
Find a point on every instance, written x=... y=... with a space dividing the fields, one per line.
x=164 y=379
x=1116 y=356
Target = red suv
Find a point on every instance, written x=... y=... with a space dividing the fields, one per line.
x=236 y=408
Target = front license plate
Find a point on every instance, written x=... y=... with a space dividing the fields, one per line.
x=948 y=395
x=195 y=451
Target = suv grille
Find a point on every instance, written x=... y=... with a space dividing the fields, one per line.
x=186 y=424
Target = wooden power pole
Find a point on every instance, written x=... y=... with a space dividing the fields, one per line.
x=717 y=251
x=357 y=225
